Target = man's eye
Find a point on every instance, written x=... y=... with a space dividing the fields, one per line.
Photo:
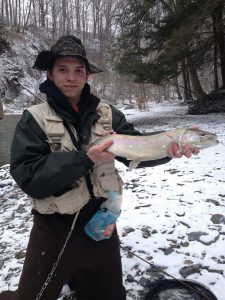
x=79 y=71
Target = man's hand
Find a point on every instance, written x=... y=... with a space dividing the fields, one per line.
x=99 y=154
x=174 y=151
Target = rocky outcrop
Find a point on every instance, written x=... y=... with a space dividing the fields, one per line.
x=16 y=60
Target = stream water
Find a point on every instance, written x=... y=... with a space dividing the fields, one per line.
x=7 y=127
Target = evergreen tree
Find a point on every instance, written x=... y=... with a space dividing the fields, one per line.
x=162 y=37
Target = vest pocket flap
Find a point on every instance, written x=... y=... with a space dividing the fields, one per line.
x=54 y=126
x=53 y=118
x=99 y=130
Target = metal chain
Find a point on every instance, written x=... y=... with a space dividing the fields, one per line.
x=39 y=295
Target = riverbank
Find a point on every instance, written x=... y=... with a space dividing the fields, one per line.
x=172 y=215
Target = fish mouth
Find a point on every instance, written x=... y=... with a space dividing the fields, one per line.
x=208 y=142
x=214 y=140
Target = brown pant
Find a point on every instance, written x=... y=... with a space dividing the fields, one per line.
x=93 y=268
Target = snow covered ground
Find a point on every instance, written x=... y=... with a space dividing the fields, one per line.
x=172 y=215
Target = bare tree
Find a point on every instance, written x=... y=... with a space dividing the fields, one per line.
x=26 y=13
x=96 y=5
x=78 y=15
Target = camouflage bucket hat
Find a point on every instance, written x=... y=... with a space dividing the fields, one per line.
x=66 y=46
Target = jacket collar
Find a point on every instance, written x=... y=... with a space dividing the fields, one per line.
x=62 y=106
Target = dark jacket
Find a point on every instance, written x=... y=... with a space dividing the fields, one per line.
x=40 y=172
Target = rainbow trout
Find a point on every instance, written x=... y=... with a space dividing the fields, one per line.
x=152 y=147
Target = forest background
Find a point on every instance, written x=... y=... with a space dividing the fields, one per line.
x=149 y=49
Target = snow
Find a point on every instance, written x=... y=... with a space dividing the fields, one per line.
x=173 y=215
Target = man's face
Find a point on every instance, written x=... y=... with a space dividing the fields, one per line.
x=70 y=75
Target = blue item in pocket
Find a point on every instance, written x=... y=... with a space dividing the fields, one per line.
x=102 y=224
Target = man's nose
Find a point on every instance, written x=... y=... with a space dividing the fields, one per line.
x=71 y=76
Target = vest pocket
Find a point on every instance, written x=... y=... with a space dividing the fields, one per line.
x=67 y=146
x=110 y=181
x=67 y=203
x=106 y=178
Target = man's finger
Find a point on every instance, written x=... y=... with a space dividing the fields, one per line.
x=186 y=151
x=195 y=151
x=174 y=150
x=104 y=146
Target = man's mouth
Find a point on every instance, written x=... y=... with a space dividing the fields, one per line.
x=70 y=86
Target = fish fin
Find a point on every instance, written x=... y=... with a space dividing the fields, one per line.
x=133 y=164
x=172 y=138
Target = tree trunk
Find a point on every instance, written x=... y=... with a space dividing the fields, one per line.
x=221 y=41
x=28 y=15
x=1 y=111
x=64 y=15
x=94 y=8
x=54 y=22
x=35 y=16
x=10 y=13
x=19 y=16
x=187 y=94
x=7 y=12
x=2 y=14
x=42 y=13
x=176 y=85
x=195 y=82
x=189 y=90
x=78 y=22
x=215 y=49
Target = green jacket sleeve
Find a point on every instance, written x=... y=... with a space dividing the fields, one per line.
x=38 y=171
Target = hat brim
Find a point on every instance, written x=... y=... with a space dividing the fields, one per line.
x=45 y=60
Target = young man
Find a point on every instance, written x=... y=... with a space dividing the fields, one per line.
x=68 y=184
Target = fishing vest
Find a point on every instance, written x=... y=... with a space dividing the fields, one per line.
x=104 y=176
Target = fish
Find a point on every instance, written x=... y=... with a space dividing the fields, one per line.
x=152 y=147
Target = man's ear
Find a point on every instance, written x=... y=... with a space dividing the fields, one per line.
x=49 y=74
